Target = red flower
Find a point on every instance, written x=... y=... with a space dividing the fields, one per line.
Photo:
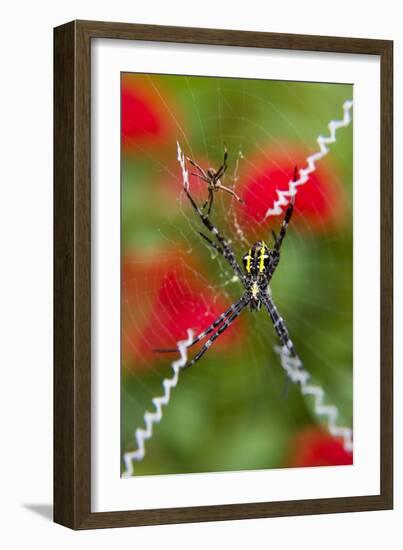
x=319 y=202
x=145 y=120
x=141 y=274
x=315 y=447
x=162 y=298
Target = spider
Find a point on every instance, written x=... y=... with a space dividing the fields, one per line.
x=212 y=178
x=259 y=265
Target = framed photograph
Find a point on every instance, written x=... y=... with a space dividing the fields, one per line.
x=222 y=274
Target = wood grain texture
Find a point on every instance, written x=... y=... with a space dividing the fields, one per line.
x=72 y=273
x=72 y=296
x=64 y=377
x=386 y=358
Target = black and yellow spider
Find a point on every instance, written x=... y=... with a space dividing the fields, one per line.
x=212 y=178
x=259 y=265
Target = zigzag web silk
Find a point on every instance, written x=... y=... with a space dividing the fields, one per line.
x=296 y=371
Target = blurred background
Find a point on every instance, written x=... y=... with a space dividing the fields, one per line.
x=230 y=411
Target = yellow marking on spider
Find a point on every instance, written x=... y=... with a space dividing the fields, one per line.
x=255 y=290
x=262 y=258
x=248 y=260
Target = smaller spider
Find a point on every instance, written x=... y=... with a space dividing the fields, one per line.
x=212 y=178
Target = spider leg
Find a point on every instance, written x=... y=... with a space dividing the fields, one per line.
x=216 y=247
x=220 y=172
x=227 y=250
x=230 y=191
x=284 y=225
x=199 y=168
x=200 y=177
x=225 y=155
x=282 y=332
x=209 y=199
x=242 y=304
x=278 y=323
x=211 y=192
x=223 y=168
x=209 y=329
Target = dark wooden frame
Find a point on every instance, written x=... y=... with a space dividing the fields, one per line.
x=72 y=267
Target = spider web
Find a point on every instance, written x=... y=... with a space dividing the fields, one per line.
x=233 y=400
